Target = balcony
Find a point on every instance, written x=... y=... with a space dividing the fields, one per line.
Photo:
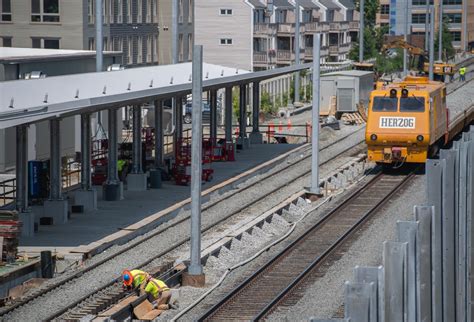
x=284 y=56
x=263 y=29
x=308 y=52
x=285 y=28
x=312 y=27
x=354 y=26
x=338 y=26
x=260 y=57
x=336 y=50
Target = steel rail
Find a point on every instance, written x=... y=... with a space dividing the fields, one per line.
x=180 y=243
x=231 y=297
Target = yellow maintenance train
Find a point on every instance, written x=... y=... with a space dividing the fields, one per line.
x=407 y=121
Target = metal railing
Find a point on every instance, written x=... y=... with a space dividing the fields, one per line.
x=427 y=274
x=7 y=191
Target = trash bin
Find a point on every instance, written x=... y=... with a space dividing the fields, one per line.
x=155 y=179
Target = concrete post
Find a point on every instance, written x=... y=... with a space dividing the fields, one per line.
x=195 y=268
x=315 y=117
x=360 y=301
x=213 y=120
x=178 y=117
x=297 y=50
x=228 y=114
x=87 y=197
x=361 y=31
x=440 y=32
x=137 y=180
x=256 y=137
x=431 y=75
x=27 y=218
x=56 y=206
x=98 y=36
x=159 y=140
x=113 y=188
x=394 y=263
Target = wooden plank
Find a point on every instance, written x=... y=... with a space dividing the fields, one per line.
x=120 y=305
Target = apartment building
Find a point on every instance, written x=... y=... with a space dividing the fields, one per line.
x=460 y=15
x=130 y=26
x=260 y=34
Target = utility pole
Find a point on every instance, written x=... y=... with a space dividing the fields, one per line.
x=314 y=189
x=195 y=267
x=440 y=32
x=431 y=42
x=427 y=19
x=99 y=56
x=405 y=51
x=297 y=50
x=361 y=31
x=464 y=25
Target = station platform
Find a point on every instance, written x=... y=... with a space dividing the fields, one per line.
x=86 y=231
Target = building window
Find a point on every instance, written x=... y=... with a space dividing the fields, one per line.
x=6 y=41
x=180 y=10
x=149 y=10
x=181 y=48
x=190 y=11
x=90 y=12
x=119 y=11
x=45 y=10
x=155 y=11
x=139 y=11
x=129 y=58
x=384 y=9
x=91 y=44
x=190 y=46
x=456 y=35
x=139 y=49
x=225 y=12
x=6 y=11
x=155 y=48
x=226 y=41
x=420 y=2
x=448 y=2
x=47 y=43
x=149 y=44
x=129 y=11
x=454 y=17
x=418 y=18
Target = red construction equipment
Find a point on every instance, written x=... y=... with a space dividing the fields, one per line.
x=182 y=165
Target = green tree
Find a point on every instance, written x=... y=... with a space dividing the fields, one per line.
x=389 y=64
x=447 y=46
x=369 y=46
x=371 y=7
x=266 y=105
x=235 y=101
x=379 y=33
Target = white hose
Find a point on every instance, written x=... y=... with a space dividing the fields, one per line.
x=292 y=228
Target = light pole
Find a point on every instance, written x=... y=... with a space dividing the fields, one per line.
x=361 y=31
x=297 y=50
x=440 y=32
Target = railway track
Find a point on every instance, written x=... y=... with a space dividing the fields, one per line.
x=91 y=303
x=275 y=283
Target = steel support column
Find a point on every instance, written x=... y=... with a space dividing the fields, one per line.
x=112 y=174
x=86 y=152
x=431 y=75
x=213 y=120
x=137 y=140
x=159 y=139
x=228 y=114
x=314 y=189
x=21 y=165
x=361 y=31
x=256 y=107
x=98 y=36
x=440 y=32
x=55 y=192
x=243 y=112
x=178 y=117
x=297 y=50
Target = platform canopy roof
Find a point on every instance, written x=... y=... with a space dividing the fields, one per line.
x=31 y=101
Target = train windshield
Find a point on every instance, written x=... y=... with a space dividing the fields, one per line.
x=412 y=104
x=385 y=104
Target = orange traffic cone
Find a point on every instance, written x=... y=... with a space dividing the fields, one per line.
x=289 y=124
x=237 y=131
x=271 y=130
x=280 y=127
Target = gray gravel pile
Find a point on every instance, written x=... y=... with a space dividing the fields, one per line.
x=460 y=99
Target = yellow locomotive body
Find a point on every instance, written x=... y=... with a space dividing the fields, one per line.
x=406 y=120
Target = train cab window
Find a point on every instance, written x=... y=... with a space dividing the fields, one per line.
x=385 y=104
x=412 y=104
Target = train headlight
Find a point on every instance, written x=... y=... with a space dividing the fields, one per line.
x=420 y=138
x=373 y=137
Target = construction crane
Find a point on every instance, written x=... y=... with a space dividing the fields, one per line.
x=440 y=68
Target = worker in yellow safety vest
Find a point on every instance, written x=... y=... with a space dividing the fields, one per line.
x=134 y=278
x=159 y=291
x=462 y=73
